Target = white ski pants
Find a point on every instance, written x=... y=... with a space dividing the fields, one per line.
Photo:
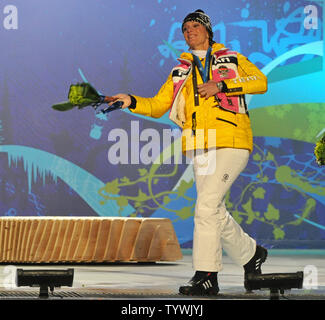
x=215 y=229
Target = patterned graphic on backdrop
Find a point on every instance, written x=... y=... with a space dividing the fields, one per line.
x=57 y=164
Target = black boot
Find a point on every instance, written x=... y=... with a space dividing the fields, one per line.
x=203 y=283
x=254 y=265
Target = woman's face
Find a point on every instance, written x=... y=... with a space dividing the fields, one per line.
x=196 y=35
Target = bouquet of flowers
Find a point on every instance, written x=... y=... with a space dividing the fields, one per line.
x=82 y=95
x=319 y=151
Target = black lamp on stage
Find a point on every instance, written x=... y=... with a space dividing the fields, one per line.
x=44 y=279
x=275 y=282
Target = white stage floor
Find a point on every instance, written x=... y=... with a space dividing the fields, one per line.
x=133 y=281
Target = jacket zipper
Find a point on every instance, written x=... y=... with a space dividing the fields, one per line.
x=234 y=124
x=207 y=112
x=233 y=112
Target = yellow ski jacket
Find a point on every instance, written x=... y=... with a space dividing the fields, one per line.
x=216 y=122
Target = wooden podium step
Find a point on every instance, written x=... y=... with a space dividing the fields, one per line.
x=87 y=239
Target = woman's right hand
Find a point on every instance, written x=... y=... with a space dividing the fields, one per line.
x=125 y=98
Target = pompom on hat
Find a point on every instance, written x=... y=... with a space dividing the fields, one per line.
x=201 y=17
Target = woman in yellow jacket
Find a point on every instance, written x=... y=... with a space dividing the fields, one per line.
x=205 y=95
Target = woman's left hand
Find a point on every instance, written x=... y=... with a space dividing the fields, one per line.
x=208 y=89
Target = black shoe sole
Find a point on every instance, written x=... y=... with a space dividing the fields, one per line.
x=199 y=293
x=190 y=291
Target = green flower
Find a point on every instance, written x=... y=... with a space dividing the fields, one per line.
x=319 y=151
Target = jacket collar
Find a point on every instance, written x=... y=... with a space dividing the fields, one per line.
x=187 y=56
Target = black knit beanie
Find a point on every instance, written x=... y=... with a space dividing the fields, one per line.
x=202 y=18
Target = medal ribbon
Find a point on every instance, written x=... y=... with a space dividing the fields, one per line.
x=204 y=72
